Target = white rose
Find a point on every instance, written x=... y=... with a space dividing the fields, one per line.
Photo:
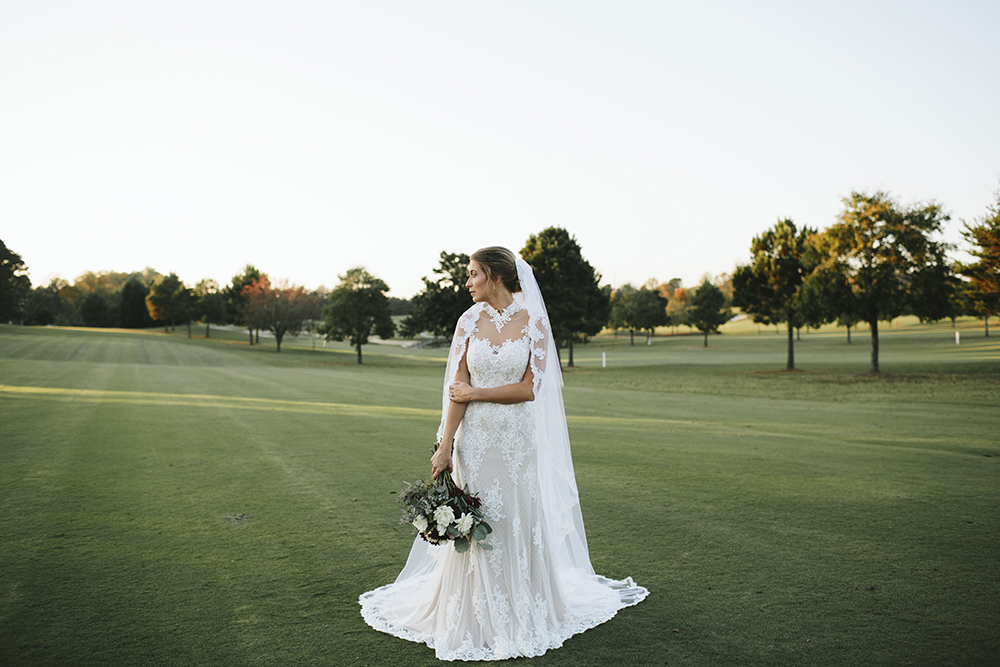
x=464 y=524
x=444 y=516
x=420 y=523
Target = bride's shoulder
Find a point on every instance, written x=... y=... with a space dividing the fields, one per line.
x=467 y=321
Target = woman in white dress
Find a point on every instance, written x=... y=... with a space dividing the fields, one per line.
x=503 y=433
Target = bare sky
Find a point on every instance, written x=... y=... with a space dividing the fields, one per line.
x=309 y=137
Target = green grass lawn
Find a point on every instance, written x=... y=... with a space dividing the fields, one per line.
x=821 y=517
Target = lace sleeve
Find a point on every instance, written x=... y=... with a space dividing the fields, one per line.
x=464 y=330
x=538 y=334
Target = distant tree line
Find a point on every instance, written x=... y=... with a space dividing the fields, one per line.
x=879 y=260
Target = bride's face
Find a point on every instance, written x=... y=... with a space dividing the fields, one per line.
x=477 y=283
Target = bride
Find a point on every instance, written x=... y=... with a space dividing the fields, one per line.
x=503 y=433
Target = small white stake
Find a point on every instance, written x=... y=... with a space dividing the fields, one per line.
x=604 y=359
x=958 y=336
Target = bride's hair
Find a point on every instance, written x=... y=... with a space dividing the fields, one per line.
x=498 y=261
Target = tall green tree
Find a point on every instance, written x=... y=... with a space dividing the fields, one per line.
x=43 y=306
x=770 y=287
x=15 y=286
x=95 y=311
x=882 y=249
x=983 y=290
x=708 y=309
x=827 y=297
x=209 y=304
x=444 y=298
x=620 y=316
x=358 y=308
x=571 y=287
x=236 y=300
x=132 y=310
x=648 y=311
x=169 y=300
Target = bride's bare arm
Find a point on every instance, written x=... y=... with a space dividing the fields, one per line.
x=519 y=392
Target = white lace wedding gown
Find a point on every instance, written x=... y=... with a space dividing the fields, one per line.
x=514 y=600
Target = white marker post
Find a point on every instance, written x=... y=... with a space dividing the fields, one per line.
x=958 y=337
x=604 y=359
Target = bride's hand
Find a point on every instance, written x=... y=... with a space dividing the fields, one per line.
x=440 y=462
x=460 y=392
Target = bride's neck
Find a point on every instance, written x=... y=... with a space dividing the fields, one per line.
x=501 y=301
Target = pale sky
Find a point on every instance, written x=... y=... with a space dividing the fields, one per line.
x=309 y=137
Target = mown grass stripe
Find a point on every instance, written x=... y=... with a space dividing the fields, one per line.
x=206 y=400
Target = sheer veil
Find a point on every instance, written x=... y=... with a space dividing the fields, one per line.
x=560 y=500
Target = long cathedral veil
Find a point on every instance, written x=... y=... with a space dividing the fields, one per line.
x=560 y=500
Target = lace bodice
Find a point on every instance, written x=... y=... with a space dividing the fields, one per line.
x=496 y=365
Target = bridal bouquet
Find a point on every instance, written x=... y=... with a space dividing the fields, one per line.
x=442 y=512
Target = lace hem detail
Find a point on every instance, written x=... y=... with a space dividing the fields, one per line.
x=543 y=640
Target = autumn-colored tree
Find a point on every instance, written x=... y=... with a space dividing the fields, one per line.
x=668 y=288
x=235 y=299
x=256 y=299
x=983 y=291
x=887 y=255
x=679 y=306
x=281 y=310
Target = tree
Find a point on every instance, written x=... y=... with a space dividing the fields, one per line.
x=358 y=308
x=94 y=311
x=668 y=288
x=209 y=304
x=253 y=313
x=770 y=287
x=598 y=311
x=882 y=249
x=679 y=306
x=934 y=293
x=14 y=285
x=169 y=300
x=648 y=310
x=983 y=289
x=438 y=306
x=708 y=309
x=43 y=305
x=235 y=299
x=571 y=287
x=827 y=297
x=620 y=316
x=132 y=310
x=280 y=310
